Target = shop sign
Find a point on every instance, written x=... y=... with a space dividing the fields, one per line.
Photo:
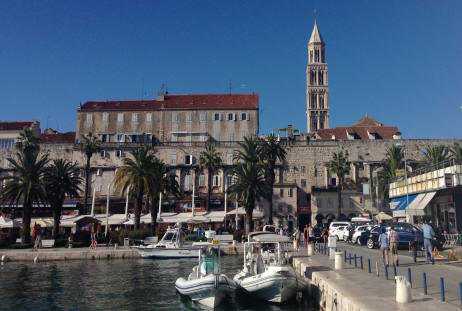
x=304 y=210
x=448 y=180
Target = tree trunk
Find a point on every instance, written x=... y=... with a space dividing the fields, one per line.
x=154 y=211
x=339 y=198
x=209 y=188
x=87 y=179
x=56 y=220
x=26 y=217
x=138 y=204
x=248 y=222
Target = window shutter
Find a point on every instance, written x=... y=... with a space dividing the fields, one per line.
x=234 y=117
x=248 y=116
x=221 y=116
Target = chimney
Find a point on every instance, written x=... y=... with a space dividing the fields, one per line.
x=160 y=96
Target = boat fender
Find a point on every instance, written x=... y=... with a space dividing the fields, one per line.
x=4 y=258
x=36 y=259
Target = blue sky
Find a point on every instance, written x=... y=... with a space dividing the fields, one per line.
x=398 y=61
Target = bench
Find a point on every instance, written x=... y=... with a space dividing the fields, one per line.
x=48 y=243
x=224 y=238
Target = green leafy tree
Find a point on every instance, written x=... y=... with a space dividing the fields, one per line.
x=435 y=154
x=272 y=152
x=456 y=153
x=394 y=160
x=340 y=166
x=249 y=186
x=88 y=145
x=137 y=173
x=161 y=182
x=209 y=159
x=62 y=178
x=26 y=184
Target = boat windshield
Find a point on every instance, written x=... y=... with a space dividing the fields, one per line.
x=209 y=262
x=169 y=236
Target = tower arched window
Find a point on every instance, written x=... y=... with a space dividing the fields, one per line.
x=311 y=56
x=321 y=77
x=321 y=101
x=316 y=56
x=313 y=100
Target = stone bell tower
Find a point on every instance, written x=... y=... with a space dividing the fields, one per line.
x=317 y=87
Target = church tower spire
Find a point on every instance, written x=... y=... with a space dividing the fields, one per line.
x=317 y=87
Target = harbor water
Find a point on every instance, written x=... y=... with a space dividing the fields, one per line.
x=136 y=284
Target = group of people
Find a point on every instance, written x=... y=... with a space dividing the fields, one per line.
x=389 y=242
x=308 y=236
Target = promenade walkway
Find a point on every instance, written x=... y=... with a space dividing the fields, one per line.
x=370 y=284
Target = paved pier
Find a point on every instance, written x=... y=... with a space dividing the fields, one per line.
x=53 y=254
x=356 y=289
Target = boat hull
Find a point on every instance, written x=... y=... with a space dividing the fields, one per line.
x=210 y=290
x=272 y=286
x=167 y=253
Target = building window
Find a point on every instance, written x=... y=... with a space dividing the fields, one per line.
x=173 y=159
x=203 y=117
x=120 y=138
x=99 y=172
x=243 y=135
x=216 y=136
x=321 y=77
x=303 y=183
x=89 y=118
x=244 y=116
x=175 y=117
x=229 y=180
x=135 y=117
x=188 y=116
x=103 y=154
x=104 y=138
x=174 y=137
x=229 y=159
x=120 y=154
x=216 y=181
x=319 y=203
x=105 y=117
x=330 y=203
x=291 y=192
x=188 y=159
x=303 y=170
x=6 y=143
x=149 y=117
x=230 y=136
x=313 y=101
x=202 y=180
x=216 y=116
x=187 y=182
x=203 y=137
x=281 y=193
x=321 y=101
x=188 y=138
x=231 y=117
x=120 y=117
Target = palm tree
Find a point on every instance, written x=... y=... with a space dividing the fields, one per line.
x=209 y=159
x=340 y=166
x=435 y=154
x=250 y=186
x=272 y=151
x=62 y=178
x=456 y=153
x=88 y=145
x=251 y=150
x=26 y=184
x=137 y=173
x=393 y=161
x=163 y=183
x=27 y=141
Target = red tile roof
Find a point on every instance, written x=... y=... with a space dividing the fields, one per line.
x=359 y=130
x=198 y=101
x=15 y=126
x=58 y=138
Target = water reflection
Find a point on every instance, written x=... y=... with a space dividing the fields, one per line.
x=112 y=285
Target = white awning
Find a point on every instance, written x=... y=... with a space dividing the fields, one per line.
x=134 y=133
x=241 y=212
x=421 y=201
x=9 y=223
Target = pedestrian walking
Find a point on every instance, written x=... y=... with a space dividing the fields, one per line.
x=393 y=241
x=324 y=235
x=38 y=236
x=428 y=235
x=311 y=237
x=305 y=234
x=297 y=239
x=383 y=242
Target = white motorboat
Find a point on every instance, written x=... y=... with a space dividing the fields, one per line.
x=171 y=246
x=267 y=274
x=206 y=284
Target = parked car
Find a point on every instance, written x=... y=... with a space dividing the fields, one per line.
x=335 y=224
x=336 y=231
x=370 y=238
x=344 y=235
x=358 y=231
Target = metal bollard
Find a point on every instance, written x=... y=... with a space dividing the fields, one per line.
x=394 y=272
x=424 y=278
x=377 y=269
x=409 y=276
x=443 y=298
x=355 y=262
x=386 y=272
x=344 y=253
x=369 y=265
x=349 y=258
x=361 y=262
x=460 y=294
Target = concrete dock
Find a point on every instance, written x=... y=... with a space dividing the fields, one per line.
x=354 y=288
x=53 y=254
